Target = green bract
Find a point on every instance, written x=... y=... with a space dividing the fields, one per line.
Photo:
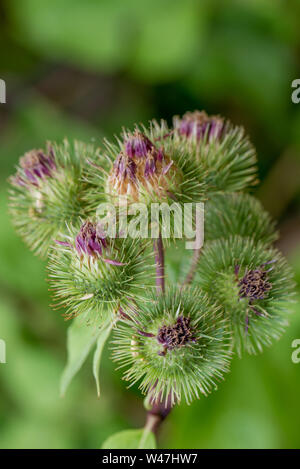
x=49 y=191
x=253 y=284
x=176 y=347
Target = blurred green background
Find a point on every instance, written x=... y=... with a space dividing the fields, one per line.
x=84 y=69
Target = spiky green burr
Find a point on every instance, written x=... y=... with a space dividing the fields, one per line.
x=254 y=286
x=48 y=191
x=223 y=150
x=138 y=168
x=176 y=347
x=228 y=214
x=94 y=276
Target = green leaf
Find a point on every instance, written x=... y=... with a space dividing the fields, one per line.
x=131 y=439
x=80 y=340
x=103 y=336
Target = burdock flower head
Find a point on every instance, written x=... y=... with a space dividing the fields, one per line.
x=35 y=166
x=141 y=171
x=176 y=347
x=254 y=285
x=145 y=166
x=228 y=214
x=94 y=275
x=222 y=148
x=49 y=190
x=199 y=125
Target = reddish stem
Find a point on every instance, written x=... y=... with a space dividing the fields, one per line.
x=160 y=264
x=157 y=414
x=193 y=266
x=159 y=410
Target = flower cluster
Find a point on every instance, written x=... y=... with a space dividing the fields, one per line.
x=175 y=341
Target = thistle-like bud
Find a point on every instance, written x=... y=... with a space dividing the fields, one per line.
x=228 y=214
x=147 y=168
x=96 y=276
x=176 y=347
x=90 y=240
x=199 y=125
x=141 y=171
x=220 y=147
x=49 y=190
x=35 y=166
x=254 y=285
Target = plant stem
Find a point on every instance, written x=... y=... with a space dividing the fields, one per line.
x=159 y=410
x=156 y=415
x=193 y=266
x=160 y=264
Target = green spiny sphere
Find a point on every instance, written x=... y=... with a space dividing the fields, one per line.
x=150 y=179
x=223 y=150
x=240 y=214
x=253 y=284
x=48 y=191
x=96 y=276
x=141 y=169
x=176 y=347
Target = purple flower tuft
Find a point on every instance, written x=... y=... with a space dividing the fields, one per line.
x=254 y=285
x=150 y=165
x=138 y=145
x=175 y=336
x=198 y=124
x=89 y=240
x=140 y=164
x=125 y=167
x=35 y=166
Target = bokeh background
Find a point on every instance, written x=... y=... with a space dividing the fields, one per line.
x=84 y=69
